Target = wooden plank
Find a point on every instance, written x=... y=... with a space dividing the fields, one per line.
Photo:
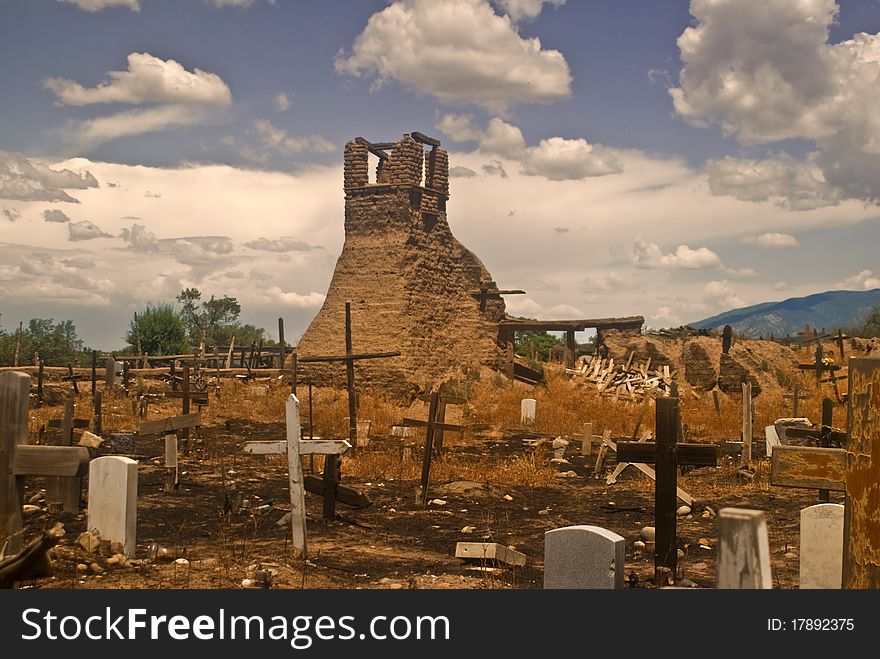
x=266 y=448
x=418 y=423
x=61 y=461
x=667 y=423
x=170 y=424
x=324 y=446
x=489 y=551
x=295 y=477
x=75 y=423
x=344 y=494
x=704 y=455
x=424 y=139
x=808 y=467
x=14 y=390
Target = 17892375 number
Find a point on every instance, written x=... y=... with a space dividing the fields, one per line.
x=811 y=624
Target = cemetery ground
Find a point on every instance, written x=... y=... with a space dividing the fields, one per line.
x=499 y=481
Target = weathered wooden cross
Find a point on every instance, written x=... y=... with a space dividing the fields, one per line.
x=436 y=407
x=795 y=397
x=170 y=427
x=666 y=453
x=331 y=462
x=18 y=459
x=853 y=470
x=294 y=446
x=490 y=290
x=65 y=493
x=73 y=378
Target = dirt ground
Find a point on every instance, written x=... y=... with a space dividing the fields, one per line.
x=226 y=528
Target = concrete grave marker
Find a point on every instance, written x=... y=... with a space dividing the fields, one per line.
x=743 y=549
x=822 y=546
x=583 y=557
x=527 y=410
x=113 y=482
x=772 y=439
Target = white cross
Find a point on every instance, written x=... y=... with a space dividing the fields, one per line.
x=294 y=446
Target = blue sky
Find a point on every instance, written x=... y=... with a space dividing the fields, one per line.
x=669 y=159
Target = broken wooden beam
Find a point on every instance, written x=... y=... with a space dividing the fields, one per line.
x=344 y=494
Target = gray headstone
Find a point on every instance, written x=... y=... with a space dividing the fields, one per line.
x=583 y=557
x=822 y=546
x=743 y=549
x=112 y=513
x=527 y=410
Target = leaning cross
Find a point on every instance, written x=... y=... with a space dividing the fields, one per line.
x=795 y=396
x=431 y=426
x=331 y=465
x=666 y=454
x=854 y=470
x=294 y=447
x=73 y=378
x=18 y=459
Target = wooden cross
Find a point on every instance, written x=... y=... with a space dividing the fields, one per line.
x=331 y=463
x=73 y=379
x=854 y=470
x=666 y=453
x=795 y=397
x=294 y=447
x=490 y=291
x=431 y=426
x=18 y=459
x=65 y=493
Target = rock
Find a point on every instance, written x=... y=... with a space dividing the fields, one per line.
x=709 y=510
x=559 y=461
x=638 y=544
x=791 y=556
x=181 y=562
x=507 y=497
x=90 y=541
x=686 y=583
x=469 y=529
x=384 y=580
x=546 y=511
x=648 y=533
x=396 y=586
x=700 y=566
x=116 y=559
x=82 y=567
x=247 y=583
x=679 y=553
x=96 y=569
x=683 y=510
x=567 y=474
x=90 y=440
x=29 y=509
x=437 y=502
x=559 y=443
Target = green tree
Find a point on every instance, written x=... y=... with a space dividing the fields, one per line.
x=541 y=340
x=870 y=326
x=162 y=331
x=203 y=318
x=58 y=344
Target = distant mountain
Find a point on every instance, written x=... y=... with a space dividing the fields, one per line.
x=829 y=310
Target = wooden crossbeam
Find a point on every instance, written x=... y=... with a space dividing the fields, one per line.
x=703 y=455
x=170 y=424
x=424 y=139
x=62 y=461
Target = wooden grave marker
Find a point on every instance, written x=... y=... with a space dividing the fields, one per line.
x=331 y=462
x=73 y=378
x=294 y=446
x=795 y=397
x=18 y=459
x=853 y=470
x=65 y=493
x=431 y=426
x=666 y=453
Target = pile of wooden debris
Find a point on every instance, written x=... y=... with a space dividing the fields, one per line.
x=627 y=381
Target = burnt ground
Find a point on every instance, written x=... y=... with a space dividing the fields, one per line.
x=227 y=528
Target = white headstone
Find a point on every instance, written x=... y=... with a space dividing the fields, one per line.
x=527 y=410
x=744 y=549
x=772 y=439
x=112 y=511
x=583 y=557
x=822 y=546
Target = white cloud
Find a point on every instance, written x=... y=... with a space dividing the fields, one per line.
x=293 y=299
x=525 y=9
x=281 y=101
x=783 y=180
x=139 y=239
x=665 y=317
x=85 y=230
x=720 y=295
x=91 y=132
x=459 y=51
x=740 y=272
x=465 y=172
x=98 y=5
x=55 y=215
x=521 y=305
x=500 y=138
x=766 y=71
x=276 y=139
x=560 y=159
x=282 y=244
x=604 y=284
x=495 y=168
x=24 y=179
x=769 y=240
x=79 y=262
x=649 y=255
x=863 y=281
x=148 y=79
x=232 y=3
x=11 y=214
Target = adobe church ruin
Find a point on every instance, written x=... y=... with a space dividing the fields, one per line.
x=412 y=286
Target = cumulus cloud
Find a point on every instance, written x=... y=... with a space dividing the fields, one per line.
x=293 y=299
x=41 y=276
x=276 y=139
x=560 y=159
x=525 y=9
x=463 y=172
x=11 y=214
x=55 y=215
x=604 y=284
x=80 y=262
x=769 y=240
x=282 y=244
x=783 y=180
x=24 y=179
x=459 y=51
x=495 y=168
x=720 y=295
x=281 y=101
x=665 y=316
x=139 y=239
x=863 y=281
x=648 y=255
x=766 y=71
x=195 y=251
x=147 y=79
x=149 y=194
x=97 y=5
x=91 y=132
x=85 y=230
x=500 y=138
